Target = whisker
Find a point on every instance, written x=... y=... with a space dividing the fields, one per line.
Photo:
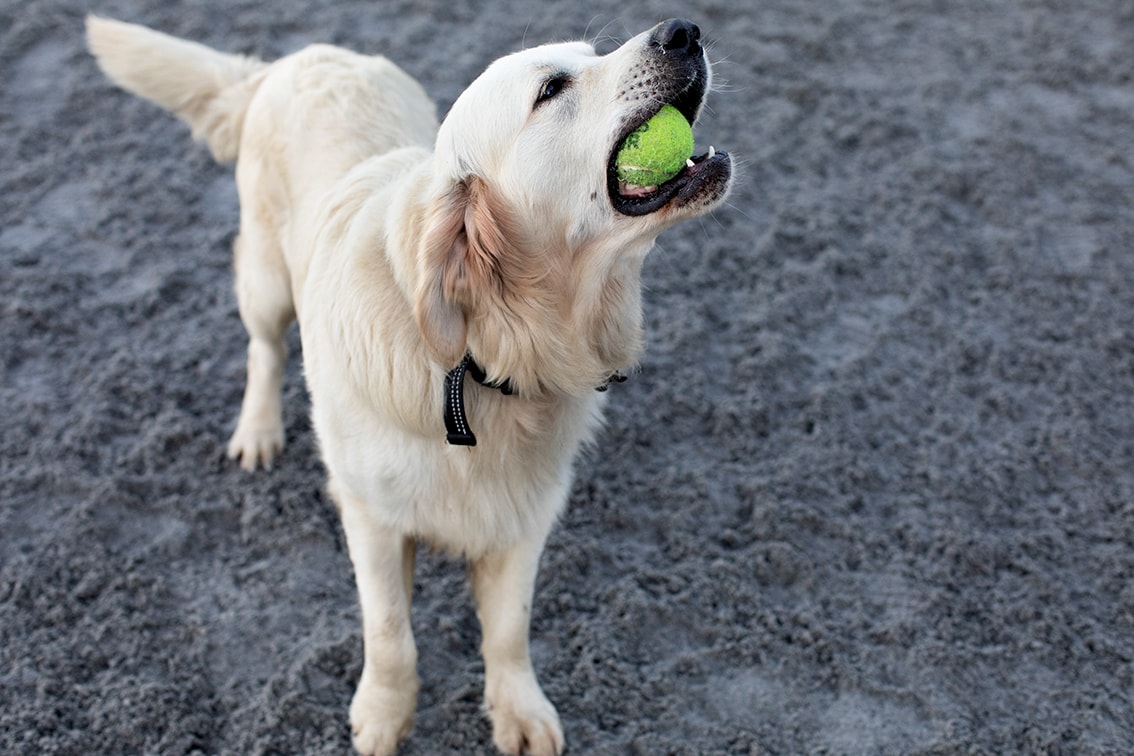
x=601 y=36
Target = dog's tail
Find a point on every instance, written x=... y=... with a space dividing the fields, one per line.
x=207 y=89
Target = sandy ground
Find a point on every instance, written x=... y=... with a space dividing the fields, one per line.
x=871 y=492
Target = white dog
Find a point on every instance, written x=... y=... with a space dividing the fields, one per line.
x=499 y=244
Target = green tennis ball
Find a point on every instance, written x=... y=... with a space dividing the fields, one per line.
x=657 y=151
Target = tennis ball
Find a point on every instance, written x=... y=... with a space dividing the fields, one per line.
x=657 y=150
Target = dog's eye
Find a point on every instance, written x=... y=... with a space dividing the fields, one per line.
x=552 y=87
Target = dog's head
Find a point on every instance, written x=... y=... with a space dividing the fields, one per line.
x=532 y=248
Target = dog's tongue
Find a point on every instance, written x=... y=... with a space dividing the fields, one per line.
x=633 y=191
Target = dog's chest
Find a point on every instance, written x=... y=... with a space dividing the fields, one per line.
x=465 y=499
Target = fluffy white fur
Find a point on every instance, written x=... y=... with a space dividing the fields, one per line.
x=400 y=245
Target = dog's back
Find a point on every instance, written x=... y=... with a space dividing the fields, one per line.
x=213 y=91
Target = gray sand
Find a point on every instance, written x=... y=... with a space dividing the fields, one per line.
x=871 y=492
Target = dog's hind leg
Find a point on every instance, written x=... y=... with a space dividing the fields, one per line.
x=263 y=293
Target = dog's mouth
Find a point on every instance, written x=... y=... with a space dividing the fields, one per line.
x=704 y=175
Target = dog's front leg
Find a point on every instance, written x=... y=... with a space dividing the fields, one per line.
x=381 y=713
x=522 y=717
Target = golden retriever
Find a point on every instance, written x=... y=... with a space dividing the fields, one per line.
x=462 y=289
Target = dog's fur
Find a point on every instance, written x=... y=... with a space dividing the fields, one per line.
x=401 y=245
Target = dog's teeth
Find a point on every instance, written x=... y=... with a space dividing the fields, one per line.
x=689 y=162
x=712 y=150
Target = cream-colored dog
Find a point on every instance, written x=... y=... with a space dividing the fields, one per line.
x=462 y=291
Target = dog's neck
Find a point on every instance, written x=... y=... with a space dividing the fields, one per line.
x=569 y=336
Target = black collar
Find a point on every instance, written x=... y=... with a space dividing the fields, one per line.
x=457 y=428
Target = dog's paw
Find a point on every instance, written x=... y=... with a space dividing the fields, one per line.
x=254 y=447
x=380 y=718
x=523 y=720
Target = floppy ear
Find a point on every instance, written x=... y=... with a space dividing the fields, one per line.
x=463 y=245
x=440 y=317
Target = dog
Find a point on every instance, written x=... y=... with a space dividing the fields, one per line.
x=462 y=289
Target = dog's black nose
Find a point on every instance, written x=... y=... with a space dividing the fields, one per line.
x=678 y=35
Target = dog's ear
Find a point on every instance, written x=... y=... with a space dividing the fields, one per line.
x=440 y=316
x=467 y=240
